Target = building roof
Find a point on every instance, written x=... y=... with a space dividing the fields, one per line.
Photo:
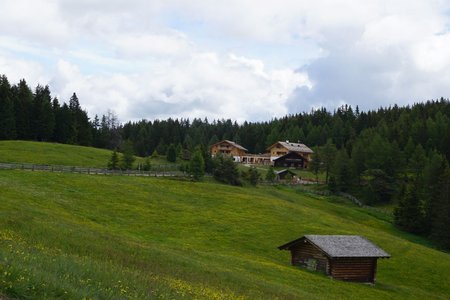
x=288 y=155
x=284 y=171
x=294 y=147
x=231 y=143
x=341 y=246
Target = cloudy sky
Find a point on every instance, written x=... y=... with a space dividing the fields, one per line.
x=240 y=59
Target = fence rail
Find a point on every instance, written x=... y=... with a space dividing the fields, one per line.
x=162 y=171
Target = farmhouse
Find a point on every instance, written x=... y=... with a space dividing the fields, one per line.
x=343 y=257
x=291 y=160
x=282 y=148
x=280 y=154
x=228 y=148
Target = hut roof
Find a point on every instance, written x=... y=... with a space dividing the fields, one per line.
x=280 y=172
x=294 y=147
x=342 y=246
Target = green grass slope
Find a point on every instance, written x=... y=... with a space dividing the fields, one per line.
x=53 y=154
x=58 y=154
x=70 y=236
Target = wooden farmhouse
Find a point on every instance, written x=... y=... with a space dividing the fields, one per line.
x=291 y=160
x=228 y=148
x=280 y=149
x=343 y=257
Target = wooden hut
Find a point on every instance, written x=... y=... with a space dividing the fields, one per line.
x=343 y=257
x=284 y=175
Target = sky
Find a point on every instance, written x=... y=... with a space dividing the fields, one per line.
x=240 y=59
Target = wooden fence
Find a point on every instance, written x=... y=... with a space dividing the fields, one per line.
x=157 y=171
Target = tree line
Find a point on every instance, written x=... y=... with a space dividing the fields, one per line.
x=392 y=154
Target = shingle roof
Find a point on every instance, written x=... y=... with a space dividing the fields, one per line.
x=295 y=147
x=284 y=171
x=342 y=246
x=231 y=143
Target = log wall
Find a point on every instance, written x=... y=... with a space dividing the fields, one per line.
x=353 y=269
x=304 y=255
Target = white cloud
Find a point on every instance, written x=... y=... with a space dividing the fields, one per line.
x=147 y=45
x=182 y=58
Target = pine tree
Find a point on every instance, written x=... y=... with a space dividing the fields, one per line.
x=315 y=163
x=441 y=222
x=342 y=171
x=197 y=165
x=23 y=106
x=226 y=171
x=43 y=117
x=127 y=158
x=7 y=116
x=270 y=175
x=171 y=153
x=113 y=163
x=253 y=176
x=358 y=161
x=328 y=154
x=409 y=215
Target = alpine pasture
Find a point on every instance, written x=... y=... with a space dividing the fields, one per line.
x=75 y=236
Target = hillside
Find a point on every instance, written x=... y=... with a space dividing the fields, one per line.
x=72 y=235
x=53 y=154
x=58 y=154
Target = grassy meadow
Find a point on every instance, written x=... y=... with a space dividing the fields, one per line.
x=75 y=236
x=61 y=154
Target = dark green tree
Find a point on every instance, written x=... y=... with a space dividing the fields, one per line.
x=328 y=155
x=226 y=171
x=197 y=165
x=358 y=161
x=171 y=153
x=43 y=117
x=7 y=116
x=253 y=176
x=113 y=163
x=441 y=222
x=270 y=175
x=23 y=106
x=409 y=215
x=315 y=163
x=342 y=171
x=128 y=156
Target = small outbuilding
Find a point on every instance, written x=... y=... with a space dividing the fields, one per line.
x=284 y=175
x=343 y=257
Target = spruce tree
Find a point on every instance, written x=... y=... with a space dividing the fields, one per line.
x=197 y=165
x=23 y=106
x=128 y=156
x=315 y=163
x=409 y=215
x=270 y=175
x=226 y=171
x=253 y=175
x=113 y=163
x=441 y=222
x=171 y=153
x=328 y=155
x=7 y=116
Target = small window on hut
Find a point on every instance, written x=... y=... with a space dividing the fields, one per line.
x=311 y=264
